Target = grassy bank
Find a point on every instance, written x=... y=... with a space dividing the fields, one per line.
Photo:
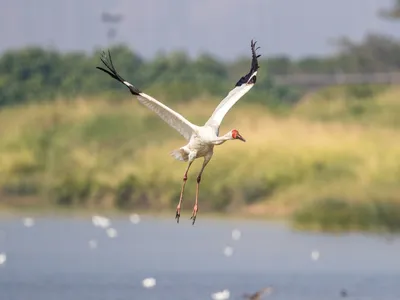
x=99 y=154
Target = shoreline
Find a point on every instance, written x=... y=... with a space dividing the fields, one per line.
x=80 y=214
x=84 y=213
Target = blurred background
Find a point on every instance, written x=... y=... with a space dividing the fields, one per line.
x=322 y=127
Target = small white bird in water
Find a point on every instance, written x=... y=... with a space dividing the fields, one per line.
x=228 y=251
x=134 y=218
x=100 y=221
x=315 y=255
x=149 y=282
x=225 y=294
x=112 y=233
x=201 y=139
x=3 y=258
x=28 y=222
x=236 y=234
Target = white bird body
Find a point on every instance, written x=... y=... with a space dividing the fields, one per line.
x=201 y=139
x=100 y=221
x=224 y=295
x=3 y=258
x=200 y=144
x=149 y=282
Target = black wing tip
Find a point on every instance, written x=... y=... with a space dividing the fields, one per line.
x=254 y=66
x=107 y=61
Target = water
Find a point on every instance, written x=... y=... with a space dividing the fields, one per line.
x=53 y=260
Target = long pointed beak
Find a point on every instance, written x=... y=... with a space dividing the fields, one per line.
x=240 y=137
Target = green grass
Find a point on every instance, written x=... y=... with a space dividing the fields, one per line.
x=374 y=105
x=322 y=164
x=330 y=214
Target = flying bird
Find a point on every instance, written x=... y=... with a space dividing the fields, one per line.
x=201 y=139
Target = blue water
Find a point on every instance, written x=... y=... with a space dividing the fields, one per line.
x=52 y=260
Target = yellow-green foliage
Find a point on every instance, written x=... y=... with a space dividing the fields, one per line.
x=104 y=153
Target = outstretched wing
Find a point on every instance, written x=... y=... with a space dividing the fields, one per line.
x=241 y=88
x=172 y=118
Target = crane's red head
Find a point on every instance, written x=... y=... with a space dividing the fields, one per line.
x=236 y=135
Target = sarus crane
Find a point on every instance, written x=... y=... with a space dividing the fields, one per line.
x=201 y=139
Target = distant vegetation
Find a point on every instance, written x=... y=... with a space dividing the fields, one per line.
x=36 y=74
x=73 y=138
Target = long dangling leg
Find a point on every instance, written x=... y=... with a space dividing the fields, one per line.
x=195 y=208
x=178 y=208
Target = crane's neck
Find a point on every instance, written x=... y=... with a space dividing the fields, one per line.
x=222 y=139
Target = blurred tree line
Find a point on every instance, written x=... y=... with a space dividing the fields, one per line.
x=36 y=74
x=376 y=53
x=392 y=13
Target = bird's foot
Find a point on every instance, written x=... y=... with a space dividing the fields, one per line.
x=194 y=214
x=178 y=214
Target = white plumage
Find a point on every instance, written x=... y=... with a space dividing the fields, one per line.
x=172 y=118
x=201 y=139
x=223 y=295
x=3 y=258
x=149 y=282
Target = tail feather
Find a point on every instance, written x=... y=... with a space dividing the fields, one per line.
x=180 y=154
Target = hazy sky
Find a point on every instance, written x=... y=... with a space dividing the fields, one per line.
x=221 y=27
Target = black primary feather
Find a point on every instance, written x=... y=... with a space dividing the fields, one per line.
x=107 y=61
x=254 y=66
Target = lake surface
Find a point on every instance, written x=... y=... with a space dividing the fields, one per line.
x=53 y=260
